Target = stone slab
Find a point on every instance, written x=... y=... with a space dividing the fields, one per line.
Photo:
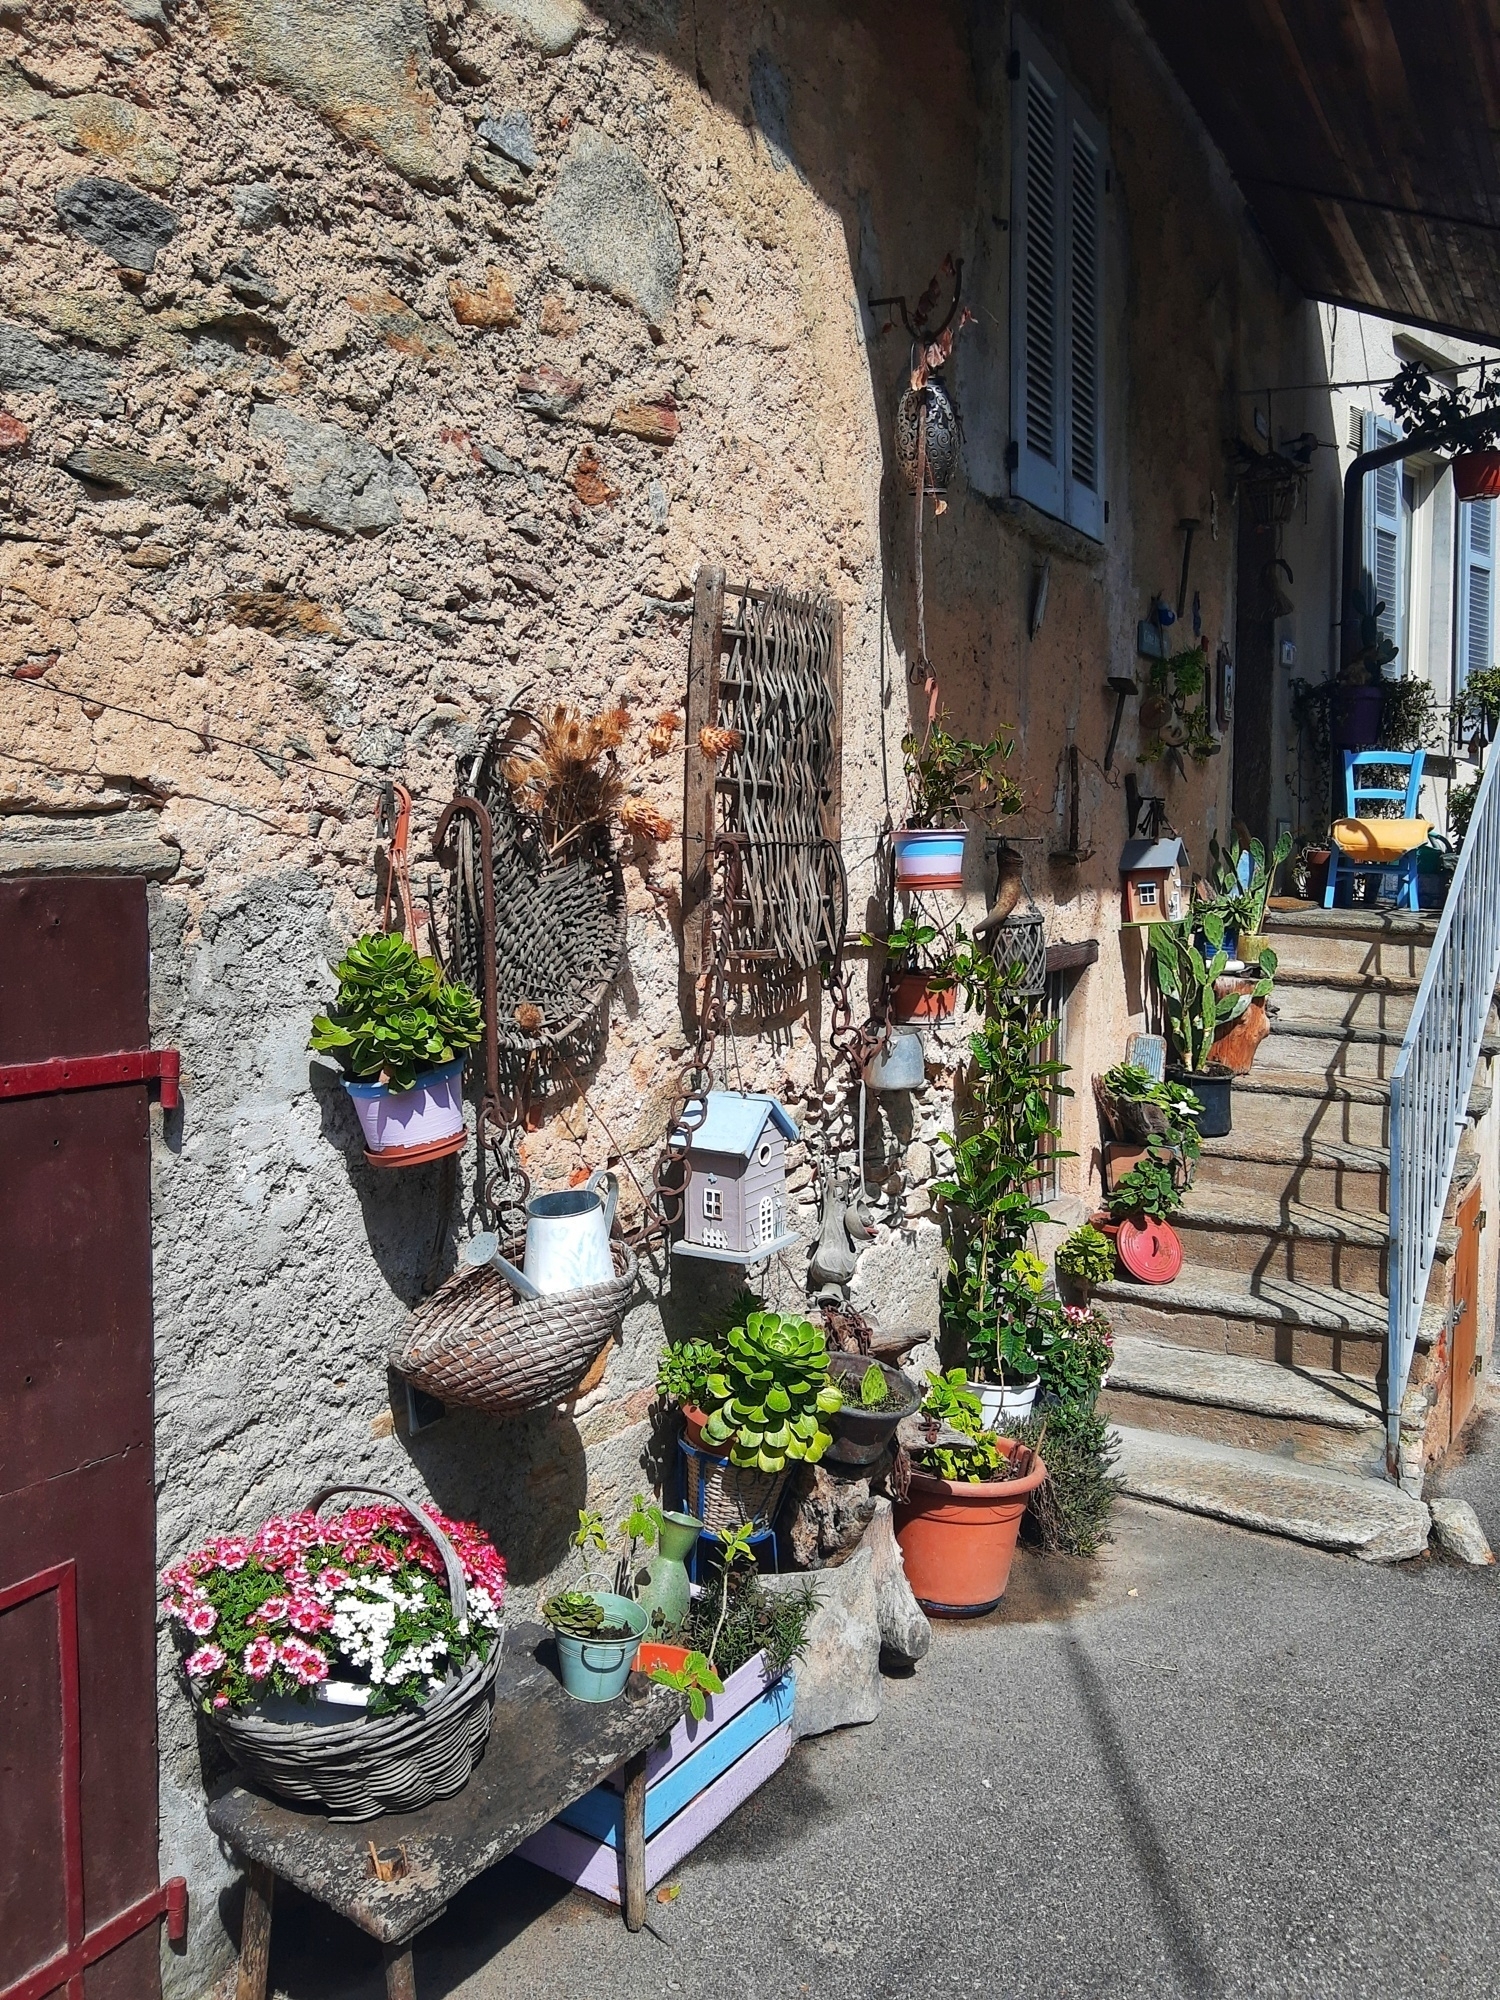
x=121 y=221
x=611 y=227
x=109 y=847
x=1239 y=1382
x=1456 y=1530
x=29 y=365
x=838 y=1674
x=1367 y=1518
x=339 y=480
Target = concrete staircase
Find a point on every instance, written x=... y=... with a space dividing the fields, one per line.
x=1251 y=1388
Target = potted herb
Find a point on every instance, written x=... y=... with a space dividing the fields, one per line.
x=957 y=1526
x=1195 y=1013
x=1084 y=1259
x=1139 y=1206
x=876 y=1398
x=400 y=1031
x=918 y=992
x=946 y=777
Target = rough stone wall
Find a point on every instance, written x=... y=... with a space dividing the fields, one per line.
x=364 y=364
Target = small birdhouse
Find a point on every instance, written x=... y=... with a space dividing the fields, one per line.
x=1157 y=879
x=734 y=1195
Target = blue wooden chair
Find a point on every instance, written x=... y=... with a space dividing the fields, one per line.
x=1342 y=867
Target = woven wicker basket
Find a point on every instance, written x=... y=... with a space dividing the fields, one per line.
x=475 y=1343
x=726 y=1496
x=379 y=1764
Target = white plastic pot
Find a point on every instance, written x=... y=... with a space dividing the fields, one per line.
x=1002 y=1403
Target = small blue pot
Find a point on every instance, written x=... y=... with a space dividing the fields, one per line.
x=597 y=1669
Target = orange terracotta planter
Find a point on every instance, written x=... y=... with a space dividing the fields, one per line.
x=913 y=998
x=1235 y=1047
x=958 y=1541
x=692 y=1427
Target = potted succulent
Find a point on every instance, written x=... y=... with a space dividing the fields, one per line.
x=946 y=777
x=1083 y=1260
x=1140 y=1205
x=1196 y=1013
x=918 y=992
x=958 y=1525
x=596 y=1633
x=598 y=1629
x=400 y=1031
x=876 y=1398
x=766 y=1405
x=1242 y=879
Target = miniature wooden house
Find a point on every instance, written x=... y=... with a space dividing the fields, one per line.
x=734 y=1193
x=1156 y=878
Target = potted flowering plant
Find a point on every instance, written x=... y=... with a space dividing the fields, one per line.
x=401 y=1032
x=378 y=1613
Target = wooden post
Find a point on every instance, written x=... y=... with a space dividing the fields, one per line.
x=699 y=769
x=400 y=1975
x=255 y=1932
x=635 y=1842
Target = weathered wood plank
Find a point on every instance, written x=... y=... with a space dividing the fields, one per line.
x=255 y=1933
x=698 y=767
x=400 y=1973
x=635 y=1843
x=545 y=1750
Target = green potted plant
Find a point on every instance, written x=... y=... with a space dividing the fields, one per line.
x=876 y=1398
x=918 y=991
x=1084 y=1259
x=596 y=1633
x=1242 y=879
x=946 y=777
x=767 y=1404
x=969 y=1488
x=400 y=1032
x=1195 y=1013
x=1078 y=1360
x=1006 y=1352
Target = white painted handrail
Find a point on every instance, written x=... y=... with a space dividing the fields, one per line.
x=1433 y=1079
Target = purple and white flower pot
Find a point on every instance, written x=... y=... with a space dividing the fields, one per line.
x=929 y=857
x=403 y=1128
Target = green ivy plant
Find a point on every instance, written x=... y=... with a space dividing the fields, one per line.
x=395 y=1014
x=768 y=1400
x=947 y=776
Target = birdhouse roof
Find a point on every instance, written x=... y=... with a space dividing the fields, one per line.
x=735 y=1122
x=1169 y=852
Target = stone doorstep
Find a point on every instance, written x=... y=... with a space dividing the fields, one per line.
x=1310 y=1045
x=1204 y=1294
x=1345 y=1178
x=1365 y=1517
x=1238 y=1382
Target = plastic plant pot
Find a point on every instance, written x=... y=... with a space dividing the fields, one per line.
x=403 y=1128
x=1354 y=717
x=1476 y=475
x=929 y=857
x=958 y=1540
x=1213 y=1093
x=597 y=1669
x=1004 y=1402
x=652 y=1653
x=915 y=998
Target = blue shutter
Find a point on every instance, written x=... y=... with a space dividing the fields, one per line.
x=1084 y=238
x=1037 y=276
x=1475 y=645
x=1385 y=540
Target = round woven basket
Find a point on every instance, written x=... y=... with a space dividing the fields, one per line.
x=378 y=1764
x=726 y=1496
x=476 y=1344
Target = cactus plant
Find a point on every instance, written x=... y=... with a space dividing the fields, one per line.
x=767 y=1401
x=1185 y=978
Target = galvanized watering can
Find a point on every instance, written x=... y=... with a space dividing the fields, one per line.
x=567 y=1236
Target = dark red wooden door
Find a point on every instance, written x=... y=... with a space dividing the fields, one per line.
x=77 y=1510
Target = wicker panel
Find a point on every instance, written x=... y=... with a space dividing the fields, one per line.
x=476 y=1344
x=387 y=1763
x=726 y=1496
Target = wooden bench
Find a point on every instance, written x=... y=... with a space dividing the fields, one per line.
x=545 y=1751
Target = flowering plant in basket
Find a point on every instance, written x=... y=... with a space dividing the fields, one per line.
x=361 y=1595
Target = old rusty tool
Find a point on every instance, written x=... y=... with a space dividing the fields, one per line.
x=1120 y=686
x=1188 y=524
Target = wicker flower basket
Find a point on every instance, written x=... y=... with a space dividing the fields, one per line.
x=379 y=1764
x=476 y=1344
x=726 y=1496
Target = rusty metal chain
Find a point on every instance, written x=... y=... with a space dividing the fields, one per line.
x=664 y=1204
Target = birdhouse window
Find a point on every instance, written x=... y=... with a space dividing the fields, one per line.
x=713 y=1204
x=1145 y=893
x=767 y=1219
x=764 y=1154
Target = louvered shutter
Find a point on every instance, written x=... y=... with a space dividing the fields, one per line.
x=1385 y=551
x=1083 y=494
x=1475 y=648
x=1038 y=361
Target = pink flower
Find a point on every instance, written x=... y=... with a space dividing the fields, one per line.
x=333 y=1579
x=271 y=1612
x=207 y=1660
x=312 y=1668
x=221 y=1701
x=200 y=1619
x=260 y=1657
x=307 y=1615
x=231 y=1552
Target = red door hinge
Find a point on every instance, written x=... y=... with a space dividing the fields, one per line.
x=41 y=1079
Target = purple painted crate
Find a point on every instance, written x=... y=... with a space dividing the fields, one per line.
x=743 y=1686
x=590 y=1864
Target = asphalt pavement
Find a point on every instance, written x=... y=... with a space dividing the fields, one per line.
x=1209 y=1764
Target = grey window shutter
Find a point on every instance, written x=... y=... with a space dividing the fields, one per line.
x=1385 y=551
x=1038 y=273
x=1475 y=649
x=1084 y=323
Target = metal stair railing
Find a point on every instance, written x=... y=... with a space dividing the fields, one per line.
x=1432 y=1081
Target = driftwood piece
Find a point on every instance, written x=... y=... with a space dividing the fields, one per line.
x=827 y=1511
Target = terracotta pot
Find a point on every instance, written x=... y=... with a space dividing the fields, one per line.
x=692 y=1427
x=1120 y=1155
x=1235 y=1047
x=957 y=1541
x=915 y=999
x=1318 y=859
x=1476 y=475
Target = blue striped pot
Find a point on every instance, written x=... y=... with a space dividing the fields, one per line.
x=929 y=857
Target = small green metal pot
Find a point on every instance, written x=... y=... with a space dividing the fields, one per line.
x=597 y=1669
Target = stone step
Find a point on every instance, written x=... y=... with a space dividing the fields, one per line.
x=1328 y=1050
x=1351 y=1179
x=1285 y=1104
x=1343 y=999
x=1311 y=1415
x=1366 y=1517
x=1388 y=943
x=1270 y=1319
x=1240 y=1232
